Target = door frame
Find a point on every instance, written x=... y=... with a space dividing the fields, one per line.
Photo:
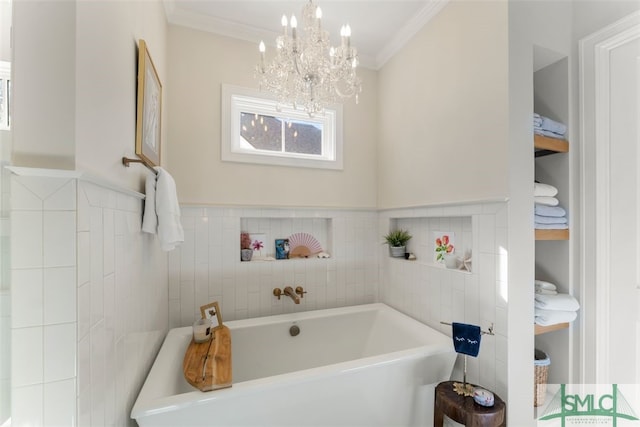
x=595 y=287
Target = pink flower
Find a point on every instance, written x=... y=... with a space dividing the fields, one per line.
x=449 y=249
x=257 y=245
x=445 y=240
x=438 y=242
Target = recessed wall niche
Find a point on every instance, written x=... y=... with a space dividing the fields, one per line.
x=282 y=228
x=424 y=231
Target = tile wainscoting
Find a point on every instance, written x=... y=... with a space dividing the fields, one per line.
x=88 y=300
x=207 y=268
x=92 y=297
x=431 y=293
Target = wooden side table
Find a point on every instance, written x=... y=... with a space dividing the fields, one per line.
x=464 y=410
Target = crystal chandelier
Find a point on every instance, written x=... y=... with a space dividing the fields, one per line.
x=307 y=71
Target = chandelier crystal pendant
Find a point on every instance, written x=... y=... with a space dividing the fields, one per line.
x=307 y=71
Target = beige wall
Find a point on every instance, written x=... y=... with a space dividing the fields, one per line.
x=5 y=30
x=107 y=33
x=444 y=110
x=200 y=63
x=43 y=85
x=75 y=82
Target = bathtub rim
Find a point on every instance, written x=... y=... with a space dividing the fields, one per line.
x=148 y=405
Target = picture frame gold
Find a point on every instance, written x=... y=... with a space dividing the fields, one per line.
x=149 y=109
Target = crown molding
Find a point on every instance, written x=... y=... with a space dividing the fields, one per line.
x=178 y=16
x=406 y=33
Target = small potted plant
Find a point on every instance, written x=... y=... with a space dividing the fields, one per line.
x=397 y=241
x=245 y=247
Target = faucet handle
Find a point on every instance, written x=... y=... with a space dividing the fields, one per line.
x=277 y=292
x=300 y=291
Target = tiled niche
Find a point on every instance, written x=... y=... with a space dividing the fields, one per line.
x=281 y=228
x=207 y=266
x=433 y=294
x=424 y=229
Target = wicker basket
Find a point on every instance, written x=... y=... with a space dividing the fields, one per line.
x=541 y=367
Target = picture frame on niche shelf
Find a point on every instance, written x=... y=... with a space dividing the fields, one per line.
x=282 y=248
x=258 y=241
x=443 y=244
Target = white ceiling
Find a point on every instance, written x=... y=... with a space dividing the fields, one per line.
x=379 y=27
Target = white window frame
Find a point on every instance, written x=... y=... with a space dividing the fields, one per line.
x=5 y=76
x=237 y=100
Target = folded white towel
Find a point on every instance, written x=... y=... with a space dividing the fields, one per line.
x=539 y=226
x=170 y=230
x=539 y=219
x=547 y=124
x=547 y=133
x=545 y=292
x=150 y=218
x=537 y=120
x=540 y=189
x=541 y=284
x=546 y=200
x=545 y=210
x=552 y=317
x=563 y=302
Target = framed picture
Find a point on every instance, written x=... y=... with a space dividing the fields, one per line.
x=258 y=241
x=282 y=248
x=443 y=244
x=149 y=104
x=212 y=311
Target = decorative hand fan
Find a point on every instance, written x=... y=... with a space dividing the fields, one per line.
x=303 y=245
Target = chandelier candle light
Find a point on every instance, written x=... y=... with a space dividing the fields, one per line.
x=306 y=71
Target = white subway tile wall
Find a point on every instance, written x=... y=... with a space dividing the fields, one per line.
x=89 y=302
x=431 y=293
x=207 y=266
x=92 y=296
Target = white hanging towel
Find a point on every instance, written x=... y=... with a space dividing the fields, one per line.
x=165 y=211
x=150 y=218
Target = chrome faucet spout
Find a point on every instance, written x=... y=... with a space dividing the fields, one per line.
x=288 y=291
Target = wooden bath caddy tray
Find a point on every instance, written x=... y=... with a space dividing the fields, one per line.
x=207 y=365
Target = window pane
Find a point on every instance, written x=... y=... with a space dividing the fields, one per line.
x=301 y=137
x=261 y=132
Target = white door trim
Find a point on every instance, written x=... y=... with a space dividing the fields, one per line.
x=595 y=51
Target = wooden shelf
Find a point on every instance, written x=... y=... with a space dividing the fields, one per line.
x=552 y=234
x=544 y=329
x=552 y=145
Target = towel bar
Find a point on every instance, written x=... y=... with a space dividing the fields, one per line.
x=126 y=161
x=489 y=332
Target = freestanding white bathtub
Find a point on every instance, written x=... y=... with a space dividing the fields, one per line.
x=367 y=365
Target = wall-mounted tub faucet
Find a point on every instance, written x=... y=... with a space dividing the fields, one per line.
x=288 y=291
x=295 y=295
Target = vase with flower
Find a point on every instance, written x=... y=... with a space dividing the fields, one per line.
x=246 y=252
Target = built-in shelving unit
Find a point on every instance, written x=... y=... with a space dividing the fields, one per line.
x=552 y=234
x=544 y=329
x=552 y=166
x=545 y=145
